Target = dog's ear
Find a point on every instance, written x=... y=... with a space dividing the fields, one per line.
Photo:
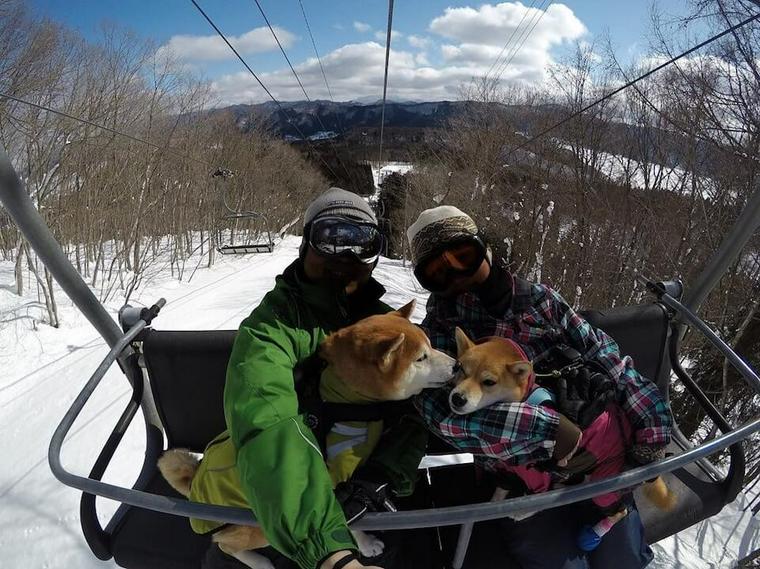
x=463 y=342
x=406 y=310
x=521 y=372
x=387 y=350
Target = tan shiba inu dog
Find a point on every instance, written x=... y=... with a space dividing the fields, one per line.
x=380 y=358
x=497 y=370
x=489 y=372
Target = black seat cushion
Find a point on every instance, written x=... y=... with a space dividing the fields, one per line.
x=641 y=332
x=187 y=373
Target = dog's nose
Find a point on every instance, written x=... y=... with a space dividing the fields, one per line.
x=458 y=400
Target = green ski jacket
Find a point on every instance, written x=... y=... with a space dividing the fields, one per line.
x=281 y=468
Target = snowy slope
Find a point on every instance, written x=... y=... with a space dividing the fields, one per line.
x=43 y=370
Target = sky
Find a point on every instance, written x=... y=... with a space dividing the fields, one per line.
x=437 y=45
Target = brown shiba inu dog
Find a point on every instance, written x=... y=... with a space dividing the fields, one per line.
x=380 y=358
x=497 y=370
x=489 y=372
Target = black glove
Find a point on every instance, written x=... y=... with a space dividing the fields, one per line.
x=357 y=497
x=585 y=396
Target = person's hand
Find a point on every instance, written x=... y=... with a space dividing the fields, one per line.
x=357 y=497
x=338 y=556
x=645 y=454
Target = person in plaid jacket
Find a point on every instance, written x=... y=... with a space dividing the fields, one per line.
x=470 y=291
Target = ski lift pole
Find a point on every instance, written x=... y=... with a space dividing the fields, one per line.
x=664 y=292
x=34 y=229
x=744 y=227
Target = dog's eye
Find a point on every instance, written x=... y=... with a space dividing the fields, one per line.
x=488 y=382
x=422 y=358
x=457 y=367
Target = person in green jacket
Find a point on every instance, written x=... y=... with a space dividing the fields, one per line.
x=281 y=467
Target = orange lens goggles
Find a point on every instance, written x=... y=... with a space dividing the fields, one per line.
x=462 y=259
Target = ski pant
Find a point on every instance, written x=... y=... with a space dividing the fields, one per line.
x=548 y=540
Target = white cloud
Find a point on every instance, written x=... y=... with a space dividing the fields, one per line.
x=493 y=24
x=354 y=71
x=212 y=48
x=418 y=41
x=382 y=35
x=482 y=33
x=474 y=39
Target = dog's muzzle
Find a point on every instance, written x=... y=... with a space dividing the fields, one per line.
x=457 y=401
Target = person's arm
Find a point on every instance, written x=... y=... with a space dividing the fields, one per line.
x=517 y=433
x=282 y=471
x=441 y=338
x=641 y=400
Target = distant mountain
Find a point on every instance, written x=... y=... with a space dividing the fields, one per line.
x=354 y=122
x=314 y=117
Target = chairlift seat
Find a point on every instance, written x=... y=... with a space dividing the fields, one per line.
x=187 y=373
x=244 y=249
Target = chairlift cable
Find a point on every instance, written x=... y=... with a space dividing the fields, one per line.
x=538 y=18
x=285 y=55
x=509 y=39
x=339 y=122
x=385 y=78
x=648 y=102
x=268 y=92
x=106 y=128
x=314 y=45
x=303 y=89
x=634 y=81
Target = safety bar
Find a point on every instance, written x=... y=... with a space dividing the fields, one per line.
x=742 y=367
x=452 y=515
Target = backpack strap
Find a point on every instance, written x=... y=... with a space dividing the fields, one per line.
x=353 y=556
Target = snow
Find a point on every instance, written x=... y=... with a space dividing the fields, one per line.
x=44 y=369
x=621 y=170
x=323 y=135
x=379 y=173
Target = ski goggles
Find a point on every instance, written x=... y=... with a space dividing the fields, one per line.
x=339 y=236
x=455 y=259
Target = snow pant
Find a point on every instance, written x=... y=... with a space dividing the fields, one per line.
x=548 y=540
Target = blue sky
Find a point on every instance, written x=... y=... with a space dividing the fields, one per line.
x=438 y=43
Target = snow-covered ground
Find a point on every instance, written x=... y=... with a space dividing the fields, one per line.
x=622 y=170
x=379 y=173
x=44 y=369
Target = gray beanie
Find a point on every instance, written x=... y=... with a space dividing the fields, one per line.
x=437 y=226
x=336 y=201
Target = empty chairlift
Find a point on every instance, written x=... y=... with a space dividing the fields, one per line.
x=258 y=218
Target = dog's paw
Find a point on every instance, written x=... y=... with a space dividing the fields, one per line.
x=253 y=560
x=369 y=545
